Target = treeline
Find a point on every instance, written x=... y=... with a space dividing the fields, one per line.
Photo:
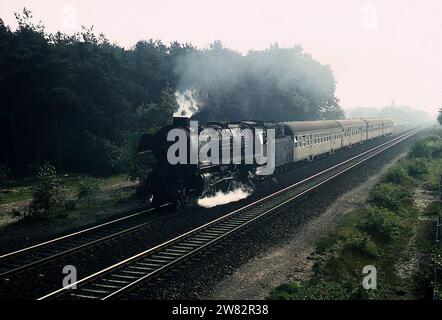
x=80 y=102
x=401 y=115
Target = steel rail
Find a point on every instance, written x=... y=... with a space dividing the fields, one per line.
x=23 y=259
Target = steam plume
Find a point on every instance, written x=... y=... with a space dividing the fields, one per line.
x=187 y=103
x=220 y=197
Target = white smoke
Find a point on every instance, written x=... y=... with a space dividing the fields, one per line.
x=220 y=197
x=187 y=102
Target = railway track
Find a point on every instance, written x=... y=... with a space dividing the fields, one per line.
x=30 y=257
x=120 y=278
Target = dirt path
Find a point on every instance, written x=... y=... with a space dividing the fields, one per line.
x=292 y=261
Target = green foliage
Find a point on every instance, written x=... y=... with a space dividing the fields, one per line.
x=103 y=157
x=329 y=290
x=5 y=173
x=348 y=288
x=70 y=205
x=432 y=208
x=88 y=190
x=47 y=193
x=380 y=222
x=156 y=115
x=439 y=116
x=417 y=167
x=421 y=149
x=361 y=244
x=387 y=195
x=398 y=175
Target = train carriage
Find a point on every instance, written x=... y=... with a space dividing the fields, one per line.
x=312 y=138
x=354 y=131
x=387 y=126
x=374 y=127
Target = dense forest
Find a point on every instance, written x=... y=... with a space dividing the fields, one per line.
x=81 y=102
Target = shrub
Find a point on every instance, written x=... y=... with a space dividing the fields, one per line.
x=388 y=196
x=47 y=192
x=4 y=175
x=88 y=191
x=15 y=213
x=118 y=194
x=70 y=205
x=421 y=149
x=323 y=290
x=418 y=167
x=361 y=244
x=380 y=221
x=285 y=291
x=398 y=175
x=437 y=151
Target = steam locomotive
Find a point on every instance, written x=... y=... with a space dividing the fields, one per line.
x=244 y=150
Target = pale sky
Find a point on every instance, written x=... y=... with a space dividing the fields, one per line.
x=379 y=50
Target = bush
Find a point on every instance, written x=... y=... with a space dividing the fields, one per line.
x=15 y=213
x=432 y=209
x=118 y=194
x=361 y=244
x=70 y=205
x=437 y=151
x=417 y=168
x=421 y=149
x=47 y=193
x=324 y=290
x=387 y=195
x=398 y=175
x=380 y=221
x=4 y=174
x=88 y=191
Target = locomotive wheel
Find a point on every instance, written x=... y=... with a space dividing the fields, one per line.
x=184 y=201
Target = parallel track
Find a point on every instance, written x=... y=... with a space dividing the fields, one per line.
x=24 y=259
x=118 y=279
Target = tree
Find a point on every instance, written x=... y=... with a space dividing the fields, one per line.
x=47 y=192
x=155 y=115
x=439 y=117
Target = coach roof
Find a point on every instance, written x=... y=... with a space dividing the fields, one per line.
x=352 y=123
x=372 y=121
x=296 y=127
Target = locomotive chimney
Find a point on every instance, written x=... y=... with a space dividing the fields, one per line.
x=181 y=121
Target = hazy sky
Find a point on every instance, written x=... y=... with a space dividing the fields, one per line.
x=379 y=50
